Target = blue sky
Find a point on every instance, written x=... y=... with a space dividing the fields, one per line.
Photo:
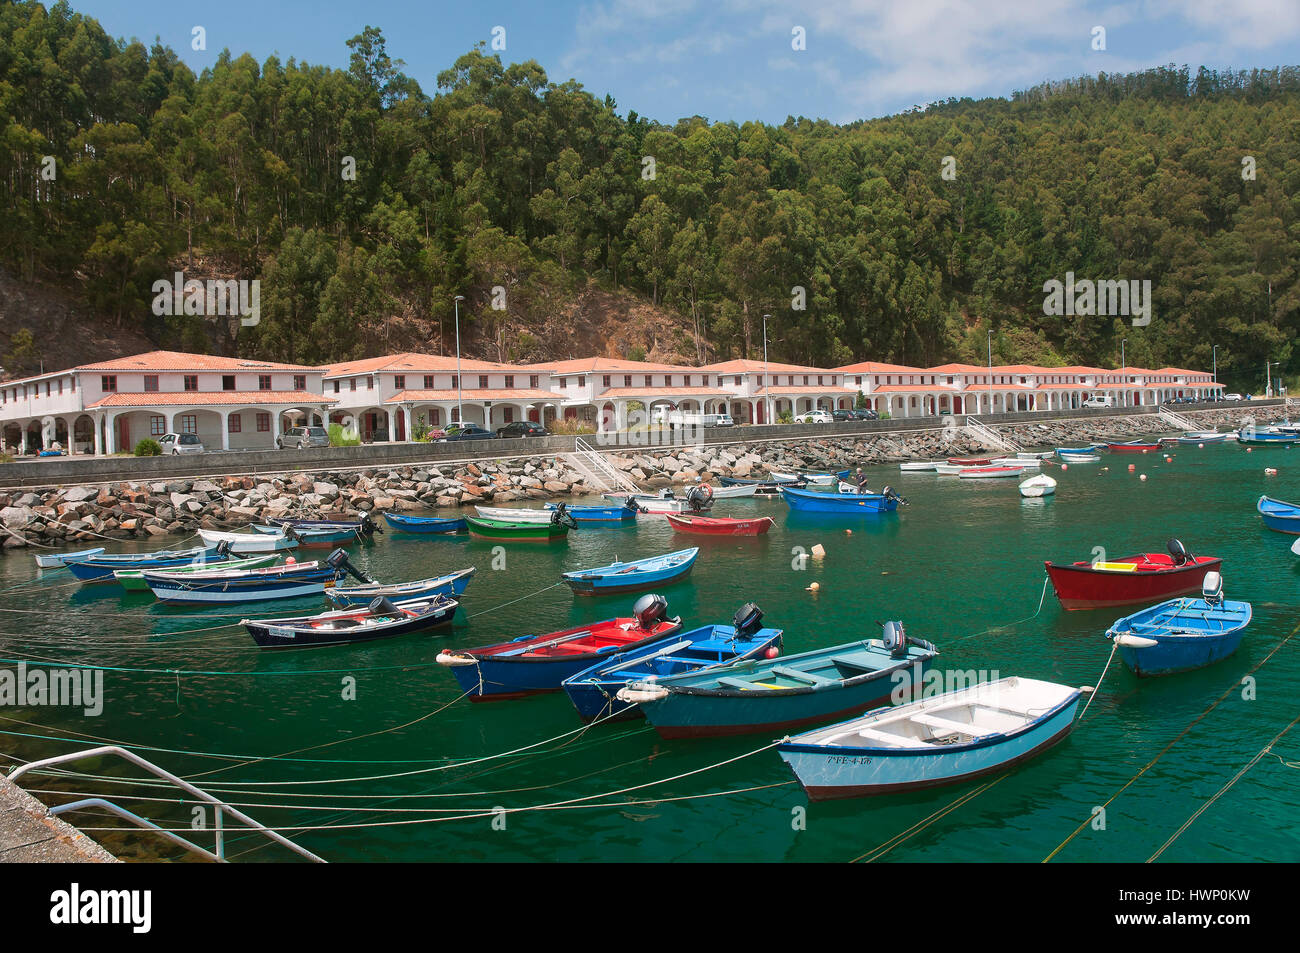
x=733 y=59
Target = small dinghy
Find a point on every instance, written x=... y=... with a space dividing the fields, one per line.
x=720 y=526
x=554 y=529
x=801 y=476
x=56 y=560
x=766 y=694
x=452 y=584
x=1034 y=454
x=132 y=580
x=324 y=538
x=100 y=568
x=1263 y=438
x=362 y=525
x=250 y=542
x=290 y=581
x=857 y=504
x=1023 y=464
x=1133 y=446
x=540 y=663
x=697 y=499
x=594 y=691
x=971 y=461
x=600 y=514
x=1196 y=437
x=1078 y=457
x=920 y=466
x=1080 y=451
x=733 y=492
x=946 y=739
x=1037 y=486
x=1182 y=634
x=990 y=473
x=1133 y=580
x=1279 y=516
x=380 y=619
x=763 y=487
x=431 y=525
x=630 y=577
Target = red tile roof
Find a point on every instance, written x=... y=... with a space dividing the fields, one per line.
x=876 y=367
x=756 y=367
x=228 y=398
x=827 y=390
x=601 y=365
x=474 y=395
x=409 y=361
x=665 y=393
x=180 y=361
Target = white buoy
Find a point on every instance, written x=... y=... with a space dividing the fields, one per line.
x=1143 y=478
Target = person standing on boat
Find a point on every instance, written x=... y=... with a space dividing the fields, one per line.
x=862 y=482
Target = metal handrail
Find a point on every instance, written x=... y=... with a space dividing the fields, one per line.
x=220 y=805
x=989 y=435
x=1177 y=419
x=607 y=471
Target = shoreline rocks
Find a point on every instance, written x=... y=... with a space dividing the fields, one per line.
x=147 y=509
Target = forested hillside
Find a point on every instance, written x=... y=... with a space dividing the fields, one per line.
x=497 y=177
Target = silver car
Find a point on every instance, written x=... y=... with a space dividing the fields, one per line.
x=302 y=438
x=180 y=443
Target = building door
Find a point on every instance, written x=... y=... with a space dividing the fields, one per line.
x=123 y=438
x=399 y=424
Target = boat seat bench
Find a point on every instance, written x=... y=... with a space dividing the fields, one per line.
x=889 y=738
x=806 y=677
x=943 y=724
x=849 y=662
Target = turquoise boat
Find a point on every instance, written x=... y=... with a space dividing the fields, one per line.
x=775 y=694
x=856 y=504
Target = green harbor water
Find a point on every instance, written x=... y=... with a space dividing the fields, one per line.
x=382 y=776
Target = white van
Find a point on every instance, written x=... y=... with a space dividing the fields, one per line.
x=675 y=419
x=1100 y=400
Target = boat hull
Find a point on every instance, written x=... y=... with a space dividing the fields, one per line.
x=517 y=532
x=1133 y=447
x=425 y=525
x=832 y=773
x=101 y=568
x=452 y=584
x=1208 y=635
x=57 y=561
x=848 y=504
x=1279 y=516
x=619 y=578
x=717 y=526
x=327 y=629
x=1079 y=586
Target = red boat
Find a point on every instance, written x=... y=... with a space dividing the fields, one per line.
x=720 y=526
x=1133 y=447
x=970 y=461
x=1134 y=580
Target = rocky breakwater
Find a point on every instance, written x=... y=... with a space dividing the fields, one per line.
x=147 y=509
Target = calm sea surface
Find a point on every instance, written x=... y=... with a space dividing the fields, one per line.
x=381 y=776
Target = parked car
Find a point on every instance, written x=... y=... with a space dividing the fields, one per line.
x=523 y=428
x=1100 y=400
x=1232 y=397
x=865 y=414
x=814 y=417
x=180 y=443
x=841 y=415
x=469 y=432
x=302 y=438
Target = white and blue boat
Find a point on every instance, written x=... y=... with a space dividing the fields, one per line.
x=57 y=560
x=1182 y=634
x=630 y=577
x=1279 y=516
x=229 y=586
x=809 y=501
x=767 y=694
x=600 y=514
x=432 y=525
x=100 y=568
x=451 y=584
x=594 y=691
x=944 y=739
x=1196 y=437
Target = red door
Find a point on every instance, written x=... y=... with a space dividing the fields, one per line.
x=399 y=424
x=123 y=434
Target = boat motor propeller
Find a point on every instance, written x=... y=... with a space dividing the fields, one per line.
x=889 y=494
x=1212 y=589
x=339 y=562
x=1179 y=552
x=561 y=516
x=649 y=609
x=896 y=639
x=747 y=620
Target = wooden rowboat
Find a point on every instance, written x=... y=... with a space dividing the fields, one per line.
x=380 y=619
x=431 y=525
x=721 y=526
x=1279 y=516
x=56 y=560
x=1133 y=580
x=509 y=530
x=1182 y=634
x=634 y=576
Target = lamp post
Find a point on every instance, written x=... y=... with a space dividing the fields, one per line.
x=767 y=380
x=1268 y=376
x=1123 y=365
x=990 y=370
x=460 y=413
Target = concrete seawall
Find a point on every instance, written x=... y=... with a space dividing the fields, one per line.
x=29 y=833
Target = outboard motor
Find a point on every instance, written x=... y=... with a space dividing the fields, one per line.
x=1212 y=589
x=1178 y=552
x=700 y=497
x=223 y=548
x=339 y=562
x=561 y=516
x=367 y=526
x=290 y=533
x=649 y=609
x=630 y=504
x=381 y=606
x=889 y=494
x=895 y=638
x=747 y=620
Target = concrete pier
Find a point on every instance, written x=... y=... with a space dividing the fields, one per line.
x=30 y=834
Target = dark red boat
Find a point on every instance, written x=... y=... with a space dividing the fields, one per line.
x=720 y=526
x=970 y=461
x=1143 y=579
x=1133 y=447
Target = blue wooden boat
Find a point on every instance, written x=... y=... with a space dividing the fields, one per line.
x=1280 y=516
x=764 y=487
x=540 y=663
x=630 y=577
x=452 y=584
x=230 y=586
x=58 y=560
x=767 y=695
x=101 y=568
x=1182 y=634
x=433 y=525
x=1265 y=438
x=1090 y=448
x=943 y=739
x=600 y=514
x=594 y=691
x=810 y=501
x=362 y=525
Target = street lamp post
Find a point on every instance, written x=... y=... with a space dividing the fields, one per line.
x=1123 y=365
x=990 y=370
x=1268 y=376
x=460 y=413
x=767 y=379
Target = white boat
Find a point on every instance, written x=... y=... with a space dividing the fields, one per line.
x=1037 y=486
x=782 y=476
x=945 y=739
x=1079 y=457
x=990 y=473
x=949 y=469
x=919 y=466
x=1034 y=454
x=1203 y=436
x=653 y=504
x=56 y=560
x=733 y=492
x=249 y=542
x=515 y=514
x=1025 y=463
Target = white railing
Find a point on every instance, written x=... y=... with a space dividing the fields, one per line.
x=1175 y=419
x=987 y=435
x=221 y=807
x=593 y=464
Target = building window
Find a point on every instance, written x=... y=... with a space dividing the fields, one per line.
x=352 y=383
x=510 y=380
x=191 y=381
x=428 y=382
x=455 y=380
x=72 y=382
x=235 y=423
x=437 y=417
x=108 y=383
x=299 y=381
x=263 y=422
x=668 y=380
x=564 y=383
x=189 y=423
x=737 y=380
x=150 y=383
x=47 y=388
x=399 y=381
x=582 y=380
x=263 y=381
x=454 y=414
x=370 y=383
x=805 y=380
x=534 y=381
x=227 y=381
x=647 y=381
x=157 y=426
x=760 y=380
x=482 y=382
x=604 y=380
x=508 y=414
x=336 y=387
x=627 y=380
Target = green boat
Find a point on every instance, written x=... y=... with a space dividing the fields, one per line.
x=132 y=580
x=520 y=532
